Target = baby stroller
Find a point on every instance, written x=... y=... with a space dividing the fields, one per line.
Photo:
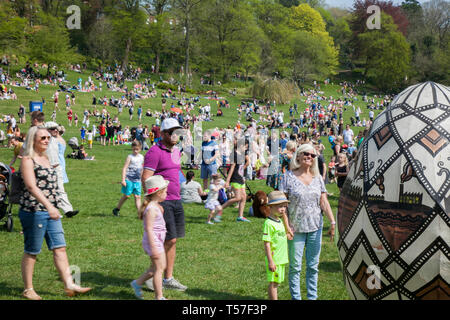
x=73 y=143
x=5 y=189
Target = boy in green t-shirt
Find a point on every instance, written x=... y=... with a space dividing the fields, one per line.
x=275 y=242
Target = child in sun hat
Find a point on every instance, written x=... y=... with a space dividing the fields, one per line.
x=275 y=242
x=151 y=213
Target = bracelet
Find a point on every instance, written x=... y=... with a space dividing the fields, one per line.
x=334 y=222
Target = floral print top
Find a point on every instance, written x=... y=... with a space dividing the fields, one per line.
x=47 y=181
x=305 y=214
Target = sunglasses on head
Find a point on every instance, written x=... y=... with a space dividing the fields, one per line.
x=312 y=155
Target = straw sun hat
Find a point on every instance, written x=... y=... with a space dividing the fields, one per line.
x=276 y=197
x=154 y=184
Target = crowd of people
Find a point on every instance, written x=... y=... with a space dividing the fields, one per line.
x=288 y=155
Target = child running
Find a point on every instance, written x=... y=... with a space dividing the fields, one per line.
x=131 y=177
x=275 y=242
x=151 y=213
x=212 y=202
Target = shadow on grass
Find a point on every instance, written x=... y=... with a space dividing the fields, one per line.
x=16 y=292
x=217 y=295
x=198 y=220
x=102 y=282
x=330 y=266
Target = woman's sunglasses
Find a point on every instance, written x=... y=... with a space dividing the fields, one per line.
x=45 y=138
x=312 y=155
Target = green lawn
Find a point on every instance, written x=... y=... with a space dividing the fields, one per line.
x=222 y=261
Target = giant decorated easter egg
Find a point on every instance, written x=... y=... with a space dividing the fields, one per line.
x=394 y=210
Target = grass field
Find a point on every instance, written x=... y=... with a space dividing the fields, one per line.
x=223 y=261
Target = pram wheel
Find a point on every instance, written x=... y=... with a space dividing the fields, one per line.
x=9 y=224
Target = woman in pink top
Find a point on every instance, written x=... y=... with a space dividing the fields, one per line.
x=151 y=213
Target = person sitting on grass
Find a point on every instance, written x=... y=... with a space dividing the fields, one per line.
x=275 y=242
x=131 y=177
x=82 y=154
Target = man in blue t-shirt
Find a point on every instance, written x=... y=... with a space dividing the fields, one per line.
x=210 y=152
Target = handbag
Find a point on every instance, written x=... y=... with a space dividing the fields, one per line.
x=222 y=196
x=17 y=188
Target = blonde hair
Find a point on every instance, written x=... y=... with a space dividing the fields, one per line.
x=345 y=157
x=31 y=136
x=147 y=200
x=306 y=147
x=291 y=145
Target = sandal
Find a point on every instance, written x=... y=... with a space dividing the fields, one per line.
x=74 y=290
x=30 y=294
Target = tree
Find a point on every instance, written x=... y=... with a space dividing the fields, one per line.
x=304 y=18
x=231 y=39
x=12 y=30
x=49 y=42
x=184 y=10
x=128 y=22
x=387 y=55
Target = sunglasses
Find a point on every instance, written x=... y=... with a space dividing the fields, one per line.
x=45 y=138
x=312 y=155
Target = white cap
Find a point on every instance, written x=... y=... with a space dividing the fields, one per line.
x=51 y=125
x=170 y=123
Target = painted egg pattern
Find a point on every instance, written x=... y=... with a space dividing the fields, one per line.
x=394 y=210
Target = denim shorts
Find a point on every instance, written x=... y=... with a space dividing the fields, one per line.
x=133 y=187
x=37 y=226
x=207 y=170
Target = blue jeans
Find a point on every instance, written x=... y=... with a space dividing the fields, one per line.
x=312 y=242
x=37 y=226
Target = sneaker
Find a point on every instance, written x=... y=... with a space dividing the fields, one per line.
x=137 y=290
x=242 y=219
x=218 y=219
x=173 y=284
x=116 y=212
x=162 y=298
x=209 y=222
x=149 y=284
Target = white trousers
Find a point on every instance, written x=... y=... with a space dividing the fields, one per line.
x=64 y=203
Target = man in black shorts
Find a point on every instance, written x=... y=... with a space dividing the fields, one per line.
x=164 y=159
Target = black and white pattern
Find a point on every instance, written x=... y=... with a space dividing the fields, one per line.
x=394 y=210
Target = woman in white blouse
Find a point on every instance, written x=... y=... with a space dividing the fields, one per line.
x=306 y=191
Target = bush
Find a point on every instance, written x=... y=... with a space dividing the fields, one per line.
x=281 y=91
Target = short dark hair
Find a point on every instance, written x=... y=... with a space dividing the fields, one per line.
x=38 y=115
x=136 y=143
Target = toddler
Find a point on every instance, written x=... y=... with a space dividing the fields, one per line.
x=212 y=202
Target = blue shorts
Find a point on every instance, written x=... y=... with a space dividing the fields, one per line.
x=207 y=170
x=38 y=225
x=132 y=188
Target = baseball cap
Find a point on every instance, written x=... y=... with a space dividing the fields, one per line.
x=170 y=123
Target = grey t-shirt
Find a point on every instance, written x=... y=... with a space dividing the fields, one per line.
x=189 y=192
x=304 y=207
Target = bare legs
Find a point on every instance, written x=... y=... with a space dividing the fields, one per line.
x=156 y=272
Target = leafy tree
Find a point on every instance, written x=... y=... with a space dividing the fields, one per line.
x=305 y=18
x=49 y=42
x=231 y=39
x=387 y=55
x=12 y=29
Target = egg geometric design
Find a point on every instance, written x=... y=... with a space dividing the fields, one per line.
x=394 y=210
